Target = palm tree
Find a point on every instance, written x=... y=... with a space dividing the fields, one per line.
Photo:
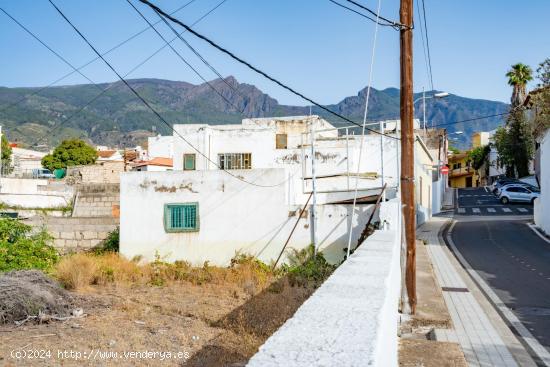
x=518 y=77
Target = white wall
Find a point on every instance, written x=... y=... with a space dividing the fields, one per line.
x=351 y=320
x=542 y=204
x=234 y=216
x=160 y=146
x=33 y=193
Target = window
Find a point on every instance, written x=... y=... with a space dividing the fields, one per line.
x=188 y=162
x=280 y=141
x=457 y=165
x=513 y=189
x=235 y=160
x=181 y=217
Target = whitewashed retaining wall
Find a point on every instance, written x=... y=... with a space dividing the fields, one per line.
x=234 y=216
x=542 y=204
x=351 y=320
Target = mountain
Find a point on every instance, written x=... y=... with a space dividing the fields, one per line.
x=42 y=117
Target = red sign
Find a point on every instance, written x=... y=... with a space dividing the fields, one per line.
x=444 y=170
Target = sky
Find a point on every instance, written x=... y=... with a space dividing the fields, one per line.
x=314 y=46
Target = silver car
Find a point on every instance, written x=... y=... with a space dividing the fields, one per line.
x=517 y=193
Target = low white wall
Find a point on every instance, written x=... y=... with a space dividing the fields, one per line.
x=234 y=216
x=351 y=320
x=542 y=204
x=34 y=193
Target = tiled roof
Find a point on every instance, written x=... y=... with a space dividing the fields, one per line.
x=159 y=161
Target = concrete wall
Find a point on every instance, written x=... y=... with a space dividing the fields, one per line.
x=34 y=193
x=423 y=182
x=351 y=320
x=542 y=204
x=75 y=234
x=103 y=172
x=97 y=200
x=234 y=216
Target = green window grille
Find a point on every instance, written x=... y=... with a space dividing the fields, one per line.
x=189 y=162
x=181 y=217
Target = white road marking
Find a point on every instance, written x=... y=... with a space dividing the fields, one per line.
x=485 y=188
x=523 y=210
x=476 y=210
x=461 y=210
x=507 y=210
x=491 y=210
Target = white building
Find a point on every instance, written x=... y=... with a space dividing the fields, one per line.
x=25 y=160
x=153 y=165
x=160 y=147
x=200 y=212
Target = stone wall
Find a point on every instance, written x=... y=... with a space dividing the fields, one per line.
x=75 y=234
x=103 y=172
x=97 y=200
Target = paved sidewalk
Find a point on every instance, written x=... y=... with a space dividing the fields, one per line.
x=481 y=343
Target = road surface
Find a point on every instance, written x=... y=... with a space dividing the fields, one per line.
x=512 y=259
x=480 y=201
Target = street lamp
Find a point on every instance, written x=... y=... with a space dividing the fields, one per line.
x=424 y=98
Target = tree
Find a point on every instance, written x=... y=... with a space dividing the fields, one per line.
x=515 y=142
x=518 y=77
x=6 y=155
x=72 y=152
x=543 y=73
x=478 y=156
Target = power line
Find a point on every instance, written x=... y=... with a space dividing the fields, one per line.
x=475 y=119
x=427 y=45
x=428 y=75
x=48 y=47
x=361 y=14
x=148 y=105
x=128 y=73
x=253 y=68
x=183 y=59
x=391 y=23
x=38 y=91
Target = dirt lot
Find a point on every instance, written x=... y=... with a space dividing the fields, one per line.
x=200 y=325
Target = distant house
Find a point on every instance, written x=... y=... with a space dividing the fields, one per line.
x=155 y=164
x=25 y=160
x=109 y=155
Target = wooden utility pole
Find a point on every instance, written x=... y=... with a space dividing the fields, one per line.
x=407 y=147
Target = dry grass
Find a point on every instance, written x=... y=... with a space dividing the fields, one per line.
x=80 y=271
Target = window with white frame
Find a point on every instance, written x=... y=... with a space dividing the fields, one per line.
x=235 y=160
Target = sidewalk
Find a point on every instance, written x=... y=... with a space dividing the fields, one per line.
x=481 y=333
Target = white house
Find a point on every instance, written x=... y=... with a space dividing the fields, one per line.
x=241 y=187
x=159 y=164
x=160 y=146
x=25 y=160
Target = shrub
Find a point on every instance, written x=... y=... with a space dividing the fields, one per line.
x=306 y=268
x=21 y=249
x=110 y=244
x=77 y=271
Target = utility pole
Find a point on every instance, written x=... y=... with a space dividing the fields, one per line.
x=407 y=147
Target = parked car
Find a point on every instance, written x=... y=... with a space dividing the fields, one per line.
x=42 y=173
x=517 y=193
x=520 y=184
x=501 y=182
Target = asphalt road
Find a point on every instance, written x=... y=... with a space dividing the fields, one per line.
x=480 y=201
x=515 y=263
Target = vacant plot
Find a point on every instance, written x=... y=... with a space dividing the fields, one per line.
x=159 y=314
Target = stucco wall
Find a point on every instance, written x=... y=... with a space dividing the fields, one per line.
x=351 y=320
x=160 y=146
x=34 y=193
x=542 y=204
x=234 y=216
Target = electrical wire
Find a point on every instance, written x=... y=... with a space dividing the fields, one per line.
x=474 y=119
x=253 y=68
x=363 y=128
x=361 y=14
x=38 y=91
x=183 y=59
x=125 y=75
x=428 y=75
x=428 y=45
x=396 y=25
x=48 y=47
x=148 y=105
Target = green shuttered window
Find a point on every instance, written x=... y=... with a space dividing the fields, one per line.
x=181 y=217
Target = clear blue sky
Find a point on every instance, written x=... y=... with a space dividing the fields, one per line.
x=314 y=46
